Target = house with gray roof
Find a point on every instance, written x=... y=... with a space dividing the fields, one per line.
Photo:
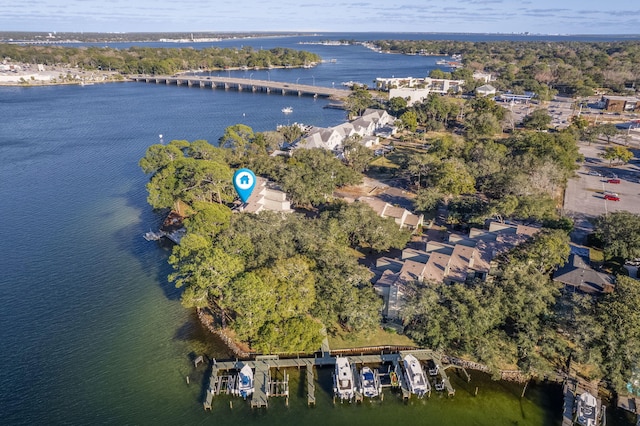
x=266 y=196
x=459 y=259
x=578 y=274
x=368 y=126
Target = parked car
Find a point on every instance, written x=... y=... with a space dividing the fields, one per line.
x=594 y=173
x=614 y=194
x=611 y=197
x=613 y=181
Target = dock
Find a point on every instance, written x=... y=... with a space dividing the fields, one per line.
x=572 y=388
x=262 y=381
x=222 y=379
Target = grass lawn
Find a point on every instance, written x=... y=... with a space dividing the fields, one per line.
x=379 y=337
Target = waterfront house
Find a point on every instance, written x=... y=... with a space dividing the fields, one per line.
x=368 y=126
x=266 y=196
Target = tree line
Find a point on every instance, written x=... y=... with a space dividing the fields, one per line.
x=147 y=60
x=575 y=68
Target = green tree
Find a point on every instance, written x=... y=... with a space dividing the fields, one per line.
x=311 y=175
x=397 y=106
x=203 y=270
x=364 y=228
x=356 y=155
x=291 y=133
x=620 y=318
x=620 y=234
x=453 y=178
x=160 y=156
x=409 y=120
x=359 y=100
x=539 y=119
x=607 y=130
x=292 y=282
x=209 y=219
x=620 y=153
x=427 y=200
x=253 y=303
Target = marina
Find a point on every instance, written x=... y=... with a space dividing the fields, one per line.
x=348 y=384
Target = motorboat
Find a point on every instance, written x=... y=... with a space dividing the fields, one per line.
x=287 y=110
x=343 y=385
x=586 y=410
x=418 y=384
x=370 y=383
x=245 y=381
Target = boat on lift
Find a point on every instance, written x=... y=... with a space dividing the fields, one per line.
x=416 y=379
x=343 y=385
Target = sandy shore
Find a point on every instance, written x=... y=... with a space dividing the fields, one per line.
x=38 y=75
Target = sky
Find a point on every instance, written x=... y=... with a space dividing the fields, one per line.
x=468 y=16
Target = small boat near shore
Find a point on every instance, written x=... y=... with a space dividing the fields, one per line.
x=343 y=385
x=245 y=381
x=370 y=383
x=287 y=110
x=418 y=384
x=153 y=236
x=586 y=410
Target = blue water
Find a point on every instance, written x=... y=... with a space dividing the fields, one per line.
x=90 y=330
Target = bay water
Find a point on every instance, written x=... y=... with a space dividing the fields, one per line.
x=91 y=332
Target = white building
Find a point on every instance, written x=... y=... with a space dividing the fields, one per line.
x=368 y=126
x=486 y=90
x=482 y=76
x=417 y=89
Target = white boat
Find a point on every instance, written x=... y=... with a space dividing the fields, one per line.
x=414 y=374
x=245 y=381
x=287 y=110
x=370 y=383
x=586 y=410
x=343 y=385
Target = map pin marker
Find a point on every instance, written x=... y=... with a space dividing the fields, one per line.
x=244 y=180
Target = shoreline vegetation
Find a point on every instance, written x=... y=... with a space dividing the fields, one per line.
x=52 y=65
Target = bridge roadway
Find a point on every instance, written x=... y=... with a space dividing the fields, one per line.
x=242 y=84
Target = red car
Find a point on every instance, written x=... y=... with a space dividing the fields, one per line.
x=611 y=197
x=613 y=181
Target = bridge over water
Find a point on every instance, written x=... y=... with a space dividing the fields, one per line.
x=245 y=84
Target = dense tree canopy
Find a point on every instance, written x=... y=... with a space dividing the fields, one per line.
x=147 y=60
x=575 y=68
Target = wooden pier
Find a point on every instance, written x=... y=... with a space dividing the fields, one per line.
x=222 y=381
x=261 y=383
x=572 y=388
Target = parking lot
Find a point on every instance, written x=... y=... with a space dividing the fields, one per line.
x=585 y=194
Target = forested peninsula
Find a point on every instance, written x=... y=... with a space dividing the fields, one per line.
x=147 y=60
